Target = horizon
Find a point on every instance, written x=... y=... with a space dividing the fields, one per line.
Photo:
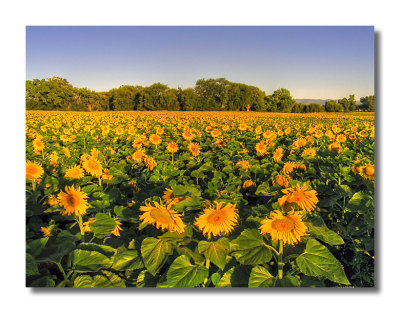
x=312 y=62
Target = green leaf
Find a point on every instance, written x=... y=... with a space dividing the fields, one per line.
x=35 y=247
x=318 y=229
x=225 y=281
x=103 y=225
x=308 y=281
x=155 y=253
x=249 y=248
x=288 y=281
x=127 y=260
x=216 y=251
x=188 y=202
x=317 y=261
x=145 y=279
x=45 y=281
x=89 y=261
x=105 y=280
x=356 y=199
x=103 y=249
x=260 y=277
x=182 y=273
x=215 y=278
x=31 y=266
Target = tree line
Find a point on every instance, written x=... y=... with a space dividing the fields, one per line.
x=207 y=95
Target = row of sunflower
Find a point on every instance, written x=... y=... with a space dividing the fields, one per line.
x=177 y=199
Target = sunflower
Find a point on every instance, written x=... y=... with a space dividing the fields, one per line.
x=162 y=217
x=93 y=166
x=248 y=184
x=281 y=181
x=215 y=133
x=261 y=148
x=155 y=139
x=172 y=147
x=188 y=135
x=305 y=199
x=54 y=159
x=278 y=154
x=244 y=164
x=169 y=197
x=288 y=228
x=86 y=225
x=194 y=149
x=46 y=231
x=38 y=144
x=335 y=147
x=75 y=172
x=52 y=200
x=288 y=167
x=66 y=152
x=309 y=152
x=73 y=201
x=33 y=170
x=150 y=162
x=117 y=228
x=216 y=221
x=138 y=155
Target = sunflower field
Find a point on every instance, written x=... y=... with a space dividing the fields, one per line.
x=199 y=199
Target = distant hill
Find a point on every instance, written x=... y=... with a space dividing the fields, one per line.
x=308 y=101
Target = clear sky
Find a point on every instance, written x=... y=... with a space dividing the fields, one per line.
x=312 y=62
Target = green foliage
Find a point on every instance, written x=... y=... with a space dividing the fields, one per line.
x=182 y=273
x=208 y=94
x=249 y=248
x=317 y=261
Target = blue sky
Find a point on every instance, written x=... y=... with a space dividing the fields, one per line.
x=312 y=62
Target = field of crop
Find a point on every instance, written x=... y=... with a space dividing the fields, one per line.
x=199 y=199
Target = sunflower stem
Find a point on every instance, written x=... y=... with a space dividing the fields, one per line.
x=80 y=223
x=280 y=263
x=33 y=185
x=62 y=271
x=100 y=181
x=208 y=267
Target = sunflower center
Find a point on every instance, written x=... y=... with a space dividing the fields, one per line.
x=216 y=217
x=284 y=224
x=31 y=169
x=161 y=216
x=93 y=165
x=296 y=197
x=72 y=200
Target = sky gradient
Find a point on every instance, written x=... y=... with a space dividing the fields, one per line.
x=312 y=62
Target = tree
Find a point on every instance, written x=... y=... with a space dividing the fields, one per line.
x=368 y=103
x=280 y=101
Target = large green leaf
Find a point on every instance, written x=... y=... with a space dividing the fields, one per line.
x=317 y=261
x=182 y=273
x=46 y=281
x=318 y=229
x=155 y=253
x=145 y=279
x=35 y=247
x=216 y=251
x=103 y=225
x=31 y=266
x=127 y=260
x=103 y=249
x=249 y=248
x=190 y=202
x=105 y=280
x=260 y=277
x=89 y=261
x=225 y=281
